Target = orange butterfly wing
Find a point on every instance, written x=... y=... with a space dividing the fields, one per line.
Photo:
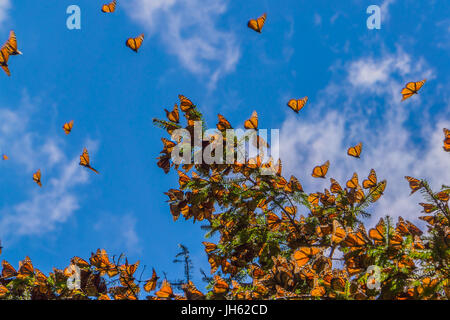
x=110 y=7
x=411 y=89
x=37 y=177
x=371 y=180
x=135 y=43
x=297 y=104
x=252 y=123
x=355 y=151
x=321 y=171
x=67 y=127
x=257 y=24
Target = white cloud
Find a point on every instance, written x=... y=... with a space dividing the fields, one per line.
x=46 y=207
x=123 y=231
x=189 y=30
x=363 y=104
x=385 y=10
x=4 y=7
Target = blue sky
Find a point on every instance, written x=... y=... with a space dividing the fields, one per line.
x=204 y=50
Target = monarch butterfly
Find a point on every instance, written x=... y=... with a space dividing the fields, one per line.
x=209 y=247
x=335 y=186
x=191 y=292
x=321 y=171
x=150 y=285
x=412 y=88
x=297 y=104
x=414 y=184
x=110 y=7
x=223 y=123
x=377 y=191
x=378 y=234
x=443 y=196
x=135 y=43
x=8 y=270
x=5 y=157
x=353 y=182
x=25 y=268
x=165 y=291
x=4 y=56
x=252 y=123
x=85 y=162
x=257 y=24
x=339 y=233
x=174 y=115
x=304 y=254
x=67 y=127
x=220 y=286
x=405 y=227
x=11 y=44
x=37 y=177
x=447 y=140
x=371 y=180
x=427 y=207
x=183 y=179
x=185 y=103
x=355 y=151
x=358 y=239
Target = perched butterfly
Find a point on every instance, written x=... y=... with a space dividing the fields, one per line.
x=67 y=127
x=185 y=103
x=304 y=254
x=321 y=171
x=447 y=140
x=378 y=191
x=165 y=291
x=353 y=182
x=37 y=177
x=5 y=157
x=335 y=186
x=252 y=123
x=443 y=196
x=297 y=104
x=110 y=7
x=223 y=123
x=257 y=24
x=191 y=292
x=412 y=88
x=85 y=162
x=8 y=270
x=371 y=180
x=414 y=184
x=379 y=235
x=220 y=286
x=174 y=115
x=135 y=43
x=339 y=233
x=355 y=151
x=150 y=285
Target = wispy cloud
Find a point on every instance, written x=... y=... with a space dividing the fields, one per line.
x=119 y=232
x=4 y=7
x=189 y=30
x=46 y=207
x=363 y=104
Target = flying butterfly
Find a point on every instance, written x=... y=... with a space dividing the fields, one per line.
x=5 y=157
x=252 y=123
x=297 y=104
x=135 y=43
x=223 y=123
x=257 y=24
x=412 y=88
x=414 y=184
x=67 y=127
x=110 y=7
x=8 y=49
x=355 y=151
x=37 y=177
x=371 y=180
x=85 y=161
x=447 y=140
x=321 y=171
